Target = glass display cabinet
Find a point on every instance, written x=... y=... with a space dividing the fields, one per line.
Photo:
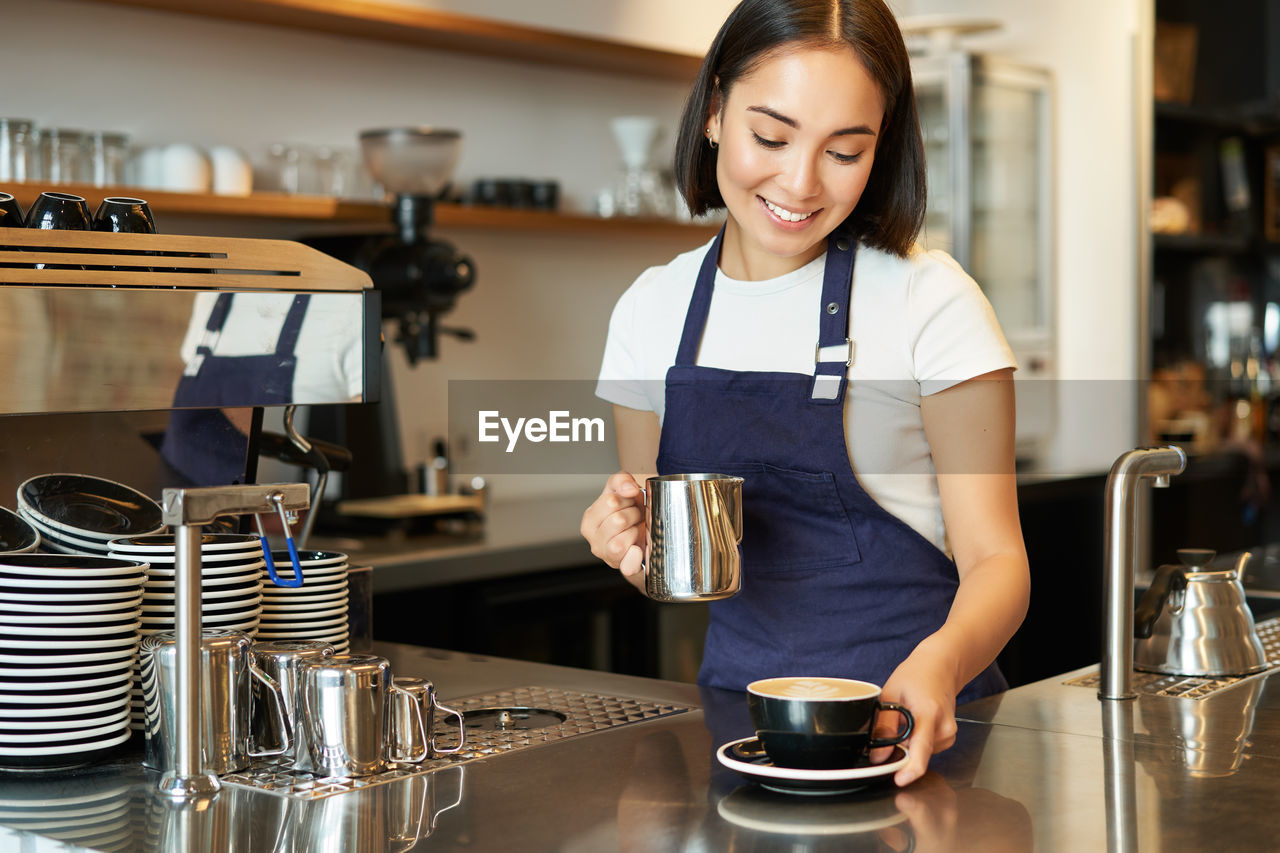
x=986 y=125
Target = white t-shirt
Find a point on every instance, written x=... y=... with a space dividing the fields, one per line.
x=919 y=325
x=329 y=351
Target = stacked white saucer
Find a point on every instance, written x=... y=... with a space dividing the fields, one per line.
x=79 y=514
x=317 y=610
x=230 y=587
x=69 y=632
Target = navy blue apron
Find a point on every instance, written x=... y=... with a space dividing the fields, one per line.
x=201 y=443
x=832 y=584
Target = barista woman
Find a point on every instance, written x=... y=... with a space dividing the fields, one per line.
x=867 y=404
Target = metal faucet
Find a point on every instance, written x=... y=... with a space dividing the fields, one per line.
x=187 y=511
x=1158 y=464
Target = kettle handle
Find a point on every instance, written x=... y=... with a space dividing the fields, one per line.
x=1168 y=579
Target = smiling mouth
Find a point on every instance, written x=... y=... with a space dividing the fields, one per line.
x=784 y=214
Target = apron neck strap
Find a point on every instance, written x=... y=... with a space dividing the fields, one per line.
x=288 y=339
x=833 y=353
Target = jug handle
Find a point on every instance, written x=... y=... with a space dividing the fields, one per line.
x=282 y=715
x=462 y=730
x=644 y=558
x=737 y=506
x=1242 y=562
x=1169 y=579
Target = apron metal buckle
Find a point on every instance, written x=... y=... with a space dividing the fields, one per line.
x=835 y=352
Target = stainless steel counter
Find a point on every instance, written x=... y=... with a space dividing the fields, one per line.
x=1044 y=767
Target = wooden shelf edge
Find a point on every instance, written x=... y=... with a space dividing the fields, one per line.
x=260 y=205
x=316 y=208
x=380 y=20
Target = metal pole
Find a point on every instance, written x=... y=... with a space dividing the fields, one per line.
x=188 y=778
x=1157 y=464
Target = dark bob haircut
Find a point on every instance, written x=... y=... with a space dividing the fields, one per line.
x=891 y=211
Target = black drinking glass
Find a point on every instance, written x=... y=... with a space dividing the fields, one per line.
x=124 y=215
x=10 y=213
x=59 y=210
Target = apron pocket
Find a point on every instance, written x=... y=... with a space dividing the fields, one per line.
x=791 y=520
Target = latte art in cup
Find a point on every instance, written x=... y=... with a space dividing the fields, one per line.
x=817 y=723
x=814 y=688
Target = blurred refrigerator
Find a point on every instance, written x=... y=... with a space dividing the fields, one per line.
x=989 y=149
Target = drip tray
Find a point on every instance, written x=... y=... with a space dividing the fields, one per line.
x=1194 y=687
x=516 y=719
x=495 y=723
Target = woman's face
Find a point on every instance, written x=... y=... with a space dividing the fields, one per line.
x=797 y=138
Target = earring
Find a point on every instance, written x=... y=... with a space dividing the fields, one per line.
x=711 y=141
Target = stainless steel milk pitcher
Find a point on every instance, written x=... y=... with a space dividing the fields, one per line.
x=226 y=713
x=695 y=536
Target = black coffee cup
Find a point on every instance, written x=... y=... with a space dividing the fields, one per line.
x=818 y=723
x=124 y=215
x=10 y=212
x=59 y=210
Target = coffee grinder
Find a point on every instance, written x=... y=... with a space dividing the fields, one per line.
x=419 y=279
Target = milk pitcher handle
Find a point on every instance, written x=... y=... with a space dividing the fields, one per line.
x=732 y=505
x=462 y=730
x=282 y=715
x=422 y=727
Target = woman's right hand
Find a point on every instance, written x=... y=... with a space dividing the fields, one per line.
x=614 y=525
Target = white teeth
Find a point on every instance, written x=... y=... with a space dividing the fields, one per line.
x=785 y=214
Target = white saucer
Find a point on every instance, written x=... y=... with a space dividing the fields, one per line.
x=20 y=696
x=128 y=611
x=56 y=718
x=39 y=661
x=114 y=625
x=160 y=596
x=812 y=783
x=168 y=561
x=7 y=751
x=164 y=543
x=108 y=726
x=51 y=590
x=71 y=600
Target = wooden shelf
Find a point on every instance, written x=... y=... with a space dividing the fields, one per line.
x=380 y=20
x=316 y=208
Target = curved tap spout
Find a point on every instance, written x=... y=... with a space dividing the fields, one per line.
x=1157 y=463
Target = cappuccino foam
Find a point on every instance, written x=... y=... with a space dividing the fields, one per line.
x=814 y=688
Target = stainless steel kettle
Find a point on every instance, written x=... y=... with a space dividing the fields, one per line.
x=1194 y=621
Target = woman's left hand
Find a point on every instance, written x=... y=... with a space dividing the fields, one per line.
x=923 y=683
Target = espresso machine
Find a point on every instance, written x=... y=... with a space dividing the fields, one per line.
x=419 y=278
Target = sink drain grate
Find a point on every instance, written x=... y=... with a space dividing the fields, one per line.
x=1194 y=687
x=495 y=723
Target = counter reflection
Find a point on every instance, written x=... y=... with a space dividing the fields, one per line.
x=393 y=817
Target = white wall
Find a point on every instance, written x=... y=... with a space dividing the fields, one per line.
x=541 y=303
x=1089 y=46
